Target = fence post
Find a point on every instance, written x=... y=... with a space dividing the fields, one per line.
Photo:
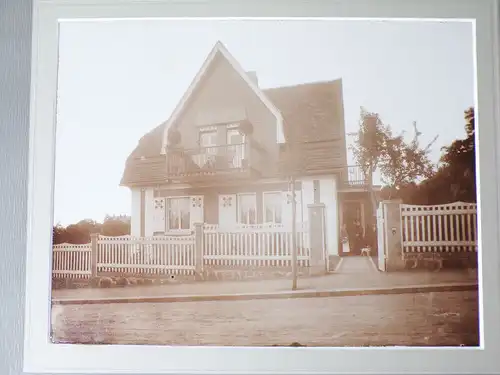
x=393 y=235
x=318 y=257
x=198 y=248
x=94 y=237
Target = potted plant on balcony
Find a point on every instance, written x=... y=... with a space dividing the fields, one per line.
x=173 y=137
x=246 y=127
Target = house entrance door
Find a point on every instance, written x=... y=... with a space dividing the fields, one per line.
x=352 y=226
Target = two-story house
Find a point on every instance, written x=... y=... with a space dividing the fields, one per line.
x=226 y=153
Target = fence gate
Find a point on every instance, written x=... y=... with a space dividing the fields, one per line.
x=381 y=240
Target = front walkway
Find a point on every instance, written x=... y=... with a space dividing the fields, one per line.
x=353 y=273
x=357 y=265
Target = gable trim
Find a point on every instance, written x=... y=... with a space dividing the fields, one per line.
x=220 y=48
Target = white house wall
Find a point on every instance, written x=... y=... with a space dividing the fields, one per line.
x=328 y=196
x=307 y=195
x=135 y=212
x=149 y=216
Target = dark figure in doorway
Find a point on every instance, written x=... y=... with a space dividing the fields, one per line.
x=358 y=237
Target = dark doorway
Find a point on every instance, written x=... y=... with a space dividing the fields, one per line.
x=352 y=224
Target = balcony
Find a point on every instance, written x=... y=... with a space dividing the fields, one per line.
x=354 y=177
x=234 y=160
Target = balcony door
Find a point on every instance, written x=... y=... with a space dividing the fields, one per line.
x=208 y=151
x=236 y=148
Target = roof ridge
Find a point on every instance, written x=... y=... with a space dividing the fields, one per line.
x=311 y=83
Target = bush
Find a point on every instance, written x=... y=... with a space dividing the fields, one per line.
x=58 y=283
x=121 y=281
x=94 y=282
x=106 y=282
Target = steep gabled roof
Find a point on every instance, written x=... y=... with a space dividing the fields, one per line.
x=220 y=50
x=312 y=112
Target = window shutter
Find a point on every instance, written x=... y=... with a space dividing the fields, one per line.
x=227 y=210
x=196 y=213
x=159 y=215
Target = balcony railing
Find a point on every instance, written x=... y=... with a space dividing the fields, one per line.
x=209 y=160
x=354 y=176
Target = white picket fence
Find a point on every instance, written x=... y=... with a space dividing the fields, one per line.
x=439 y=229
x=242 y=246
x=159 y=255
x=260 y=245
x=72 y=261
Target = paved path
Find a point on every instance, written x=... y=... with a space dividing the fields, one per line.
x=357 y=265
x=353 y=273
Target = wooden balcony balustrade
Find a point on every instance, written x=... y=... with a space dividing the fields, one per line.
x=354 y=176
x=213 y=160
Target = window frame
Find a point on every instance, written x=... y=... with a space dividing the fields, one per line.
x=238 y=207
x=264 y=208
x=167 y=213
x=203 y=132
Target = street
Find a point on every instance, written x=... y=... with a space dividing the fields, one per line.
x=430 y=319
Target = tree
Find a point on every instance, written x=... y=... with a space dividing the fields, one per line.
x=80 y=232
x=455 y=179
x=404 y=163
x=58 y=234
x=401 y=163
x=368 y=151
x=115 y=228
x=77 y=234
x=369 y=146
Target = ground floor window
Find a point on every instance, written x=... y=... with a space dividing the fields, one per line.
x=273 y=207
x=247 y=208
x=178 y=213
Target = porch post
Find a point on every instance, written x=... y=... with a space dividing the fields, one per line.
x=317 y=236
x=198 y=248
x=94 y=237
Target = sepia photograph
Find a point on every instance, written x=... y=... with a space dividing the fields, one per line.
x=266 y=182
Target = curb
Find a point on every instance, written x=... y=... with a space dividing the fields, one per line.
x=277 y=295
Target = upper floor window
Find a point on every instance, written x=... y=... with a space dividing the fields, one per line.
x=234 y=137
x=208 y=138
x=273 y=203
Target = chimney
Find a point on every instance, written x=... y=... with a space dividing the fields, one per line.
x=253 y=76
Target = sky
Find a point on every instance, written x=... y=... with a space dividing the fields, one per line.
x=119 y=79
